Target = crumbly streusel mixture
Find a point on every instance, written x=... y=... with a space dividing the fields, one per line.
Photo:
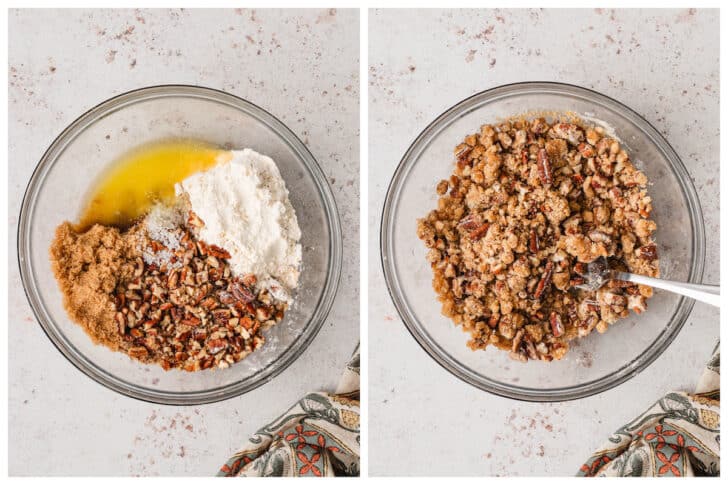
x=528 y=205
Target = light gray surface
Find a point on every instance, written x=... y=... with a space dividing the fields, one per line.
x=663 y=64
x=303 y=67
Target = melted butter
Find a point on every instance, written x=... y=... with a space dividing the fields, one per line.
x=143 y=177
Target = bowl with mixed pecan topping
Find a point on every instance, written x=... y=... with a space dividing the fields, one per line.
x=495 y=212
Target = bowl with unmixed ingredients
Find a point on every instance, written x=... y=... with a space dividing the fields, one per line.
x=86 y=148
x=599 y=361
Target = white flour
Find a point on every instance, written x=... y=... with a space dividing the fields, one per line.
x=245 y=208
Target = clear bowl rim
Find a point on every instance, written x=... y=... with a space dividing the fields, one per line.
x=324 y=193
x=623 y=373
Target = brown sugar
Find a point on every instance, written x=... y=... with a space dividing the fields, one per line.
x=88 y=267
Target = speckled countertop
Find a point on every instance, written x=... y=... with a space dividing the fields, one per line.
x=663 y=64
x=303 y=67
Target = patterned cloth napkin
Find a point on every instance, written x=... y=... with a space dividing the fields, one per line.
x=678 y=436
x=318 y=436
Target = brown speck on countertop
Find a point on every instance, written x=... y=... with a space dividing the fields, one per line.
x=110 y=56
x=412 y=68
x=686 y=16
x=523 y=432
x=471 y=55
x=492 y=62
x=485 y=34
x=125 y=34
x=326 y=17
x=132 y=64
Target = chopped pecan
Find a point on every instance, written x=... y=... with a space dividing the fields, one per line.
x=242 y=293
x=530 y=348
x=479 y=232
x=462 y=156
x=648 y=252
x=138 y=352
x=217 y=252
x=216 y=345
x=533 y=241
x=544 y=167
x=187 y=316
x=557 y=328
x=586 y=150
x=470 y=222
x=194 y=221
x=568 y=131
x=545 y=280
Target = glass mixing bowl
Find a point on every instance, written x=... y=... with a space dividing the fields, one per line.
x=598 y=362
x=87 y=147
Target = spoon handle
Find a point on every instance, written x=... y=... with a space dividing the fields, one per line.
x=706 y=293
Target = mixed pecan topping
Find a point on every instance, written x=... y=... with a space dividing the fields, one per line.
x=529 y=204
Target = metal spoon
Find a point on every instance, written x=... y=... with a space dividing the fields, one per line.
x=598 y=273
